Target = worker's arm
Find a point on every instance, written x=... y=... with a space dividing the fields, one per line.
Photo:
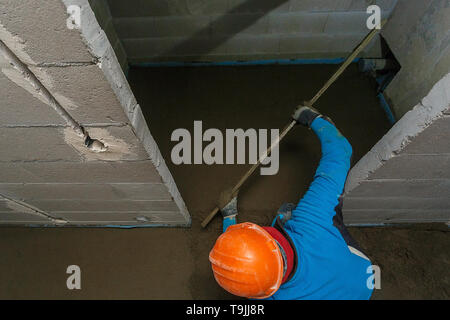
x=228 y=221
x=319 y=203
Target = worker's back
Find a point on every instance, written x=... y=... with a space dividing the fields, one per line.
x=327 y=261
x=330 y=265
x=327 y=268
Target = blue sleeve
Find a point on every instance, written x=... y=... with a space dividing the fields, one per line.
x=319 y=203
x=228 y=221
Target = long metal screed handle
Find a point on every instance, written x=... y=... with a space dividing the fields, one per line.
x=367 y=39
x=236 y=188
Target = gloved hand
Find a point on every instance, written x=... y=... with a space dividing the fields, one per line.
x=306 y=115
x=227 y=204
x=285 y=211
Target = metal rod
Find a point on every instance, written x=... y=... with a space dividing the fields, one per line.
x=344 y=65
x=236 y=188
x=367 y=39
x=15 y=62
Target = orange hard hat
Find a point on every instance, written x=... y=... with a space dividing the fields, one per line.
x=247 y=261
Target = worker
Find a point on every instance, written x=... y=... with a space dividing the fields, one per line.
x=307 y=253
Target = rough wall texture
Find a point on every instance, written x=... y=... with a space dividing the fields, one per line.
x=47 y=175
x=199 y=30
x=406 y=175
x=104 y=18
x=418 y=34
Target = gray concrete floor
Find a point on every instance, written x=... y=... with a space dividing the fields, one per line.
x=173 y=263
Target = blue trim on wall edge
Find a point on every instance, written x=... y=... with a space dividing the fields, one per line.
x=240 y=63
x=387 y=109
x=186 y=225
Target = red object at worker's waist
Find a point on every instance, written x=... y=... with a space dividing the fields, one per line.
x=286 y=247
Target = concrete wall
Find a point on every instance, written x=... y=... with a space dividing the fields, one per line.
x=198 y=30
x=47 y=175
x=418 y=33
x=105 y=20
x=406 y=175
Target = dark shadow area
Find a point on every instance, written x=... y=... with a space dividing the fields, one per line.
x=383 y=71
x=254 y=97
x=225 y=26
x=223 y=22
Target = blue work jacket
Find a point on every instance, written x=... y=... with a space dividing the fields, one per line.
x=328 y=262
